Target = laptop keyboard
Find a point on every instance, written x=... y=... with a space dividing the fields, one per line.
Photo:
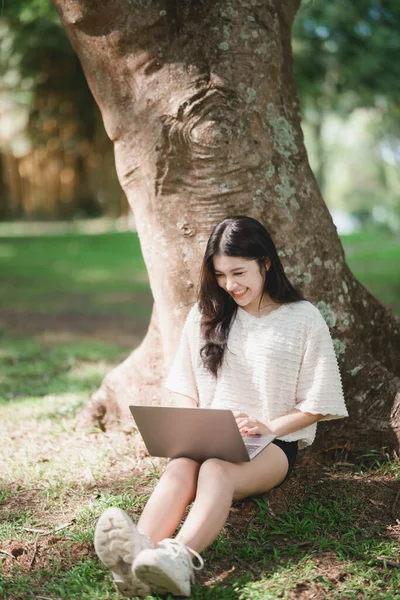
x=251 y=448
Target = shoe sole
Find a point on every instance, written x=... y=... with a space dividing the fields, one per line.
x=158 y=580
x=117 y=543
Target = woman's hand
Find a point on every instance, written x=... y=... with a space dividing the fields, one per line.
x=250 y=426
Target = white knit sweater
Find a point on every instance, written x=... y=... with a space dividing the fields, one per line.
x=272 y=364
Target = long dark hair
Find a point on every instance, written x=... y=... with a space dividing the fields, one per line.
x=246 y=238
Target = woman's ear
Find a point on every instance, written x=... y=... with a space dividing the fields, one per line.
x=268 y=263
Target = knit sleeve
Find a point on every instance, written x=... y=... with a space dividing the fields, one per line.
x=181 y=376
x=319 y=388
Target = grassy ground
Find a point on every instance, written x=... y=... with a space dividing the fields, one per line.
x=374 y=258
x=71 y=307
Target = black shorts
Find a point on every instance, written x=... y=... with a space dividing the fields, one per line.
x=290 y=449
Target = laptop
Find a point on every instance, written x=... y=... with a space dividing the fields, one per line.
x=196 y=433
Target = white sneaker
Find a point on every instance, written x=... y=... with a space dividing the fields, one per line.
x=167 y=568
x=117 y=542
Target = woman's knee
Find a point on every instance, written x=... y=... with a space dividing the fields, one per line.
x=184 y=470
x=217 y=470
x=183 y=465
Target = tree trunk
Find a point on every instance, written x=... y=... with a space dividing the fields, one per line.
x=200 y=101
x=320 y=163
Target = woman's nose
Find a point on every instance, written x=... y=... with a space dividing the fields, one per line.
x=230 y=285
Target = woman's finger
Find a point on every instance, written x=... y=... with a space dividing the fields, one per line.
x=253 y=430
x=250 y=422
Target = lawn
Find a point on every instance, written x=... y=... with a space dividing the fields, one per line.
x=71 y=307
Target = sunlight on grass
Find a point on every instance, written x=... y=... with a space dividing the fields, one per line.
x=52 y=270
x=7 y=251
x=318 y=545
x=83 y=581
x=350 y=581
x=43 y=446
x=374 y=259
x=93 y=276
x=325 y=545
x=31 y=369
x=130 y=500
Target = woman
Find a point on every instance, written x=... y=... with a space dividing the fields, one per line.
x=251 y=344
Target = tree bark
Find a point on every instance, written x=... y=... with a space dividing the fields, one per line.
x=200 y=101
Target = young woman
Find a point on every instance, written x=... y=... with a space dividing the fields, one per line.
x=251 y=344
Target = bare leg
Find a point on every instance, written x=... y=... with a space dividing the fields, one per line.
x=167 y=504
x=220 y=482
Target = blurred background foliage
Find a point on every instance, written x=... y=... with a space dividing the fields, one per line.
x=349 y=84
x=57 y=163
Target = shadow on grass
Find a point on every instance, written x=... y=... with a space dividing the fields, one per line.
x=34 y=269
x=32 y=369
x=328 y=537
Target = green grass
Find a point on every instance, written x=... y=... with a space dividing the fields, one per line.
x=84 y=581
x=374 y=258
x=101 y=273
x=285 y=553
x=129 y=500
x=106 y=274
x=30 y=368
x=327 y=544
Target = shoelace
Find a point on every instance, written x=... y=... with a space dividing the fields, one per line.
x=146 y=538
x=174 y=547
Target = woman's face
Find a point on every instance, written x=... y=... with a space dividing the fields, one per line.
x=241 y=279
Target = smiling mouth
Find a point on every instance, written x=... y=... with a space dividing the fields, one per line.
x=239 y=294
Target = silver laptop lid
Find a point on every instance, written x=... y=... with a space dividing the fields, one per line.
x=196 y=433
